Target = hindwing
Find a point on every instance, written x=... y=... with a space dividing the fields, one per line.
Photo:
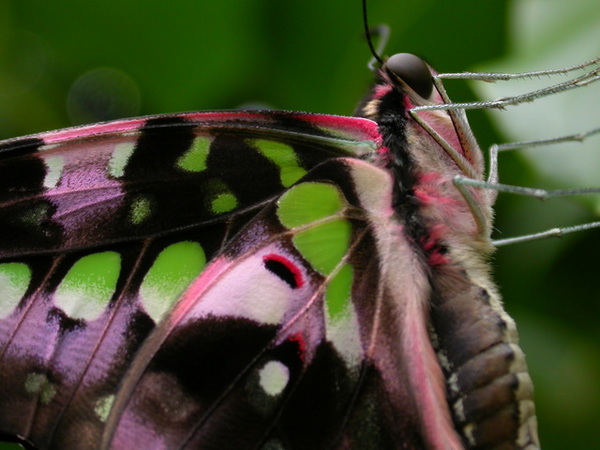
x=292 y=338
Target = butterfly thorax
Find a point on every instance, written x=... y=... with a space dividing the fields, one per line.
x=425 y=196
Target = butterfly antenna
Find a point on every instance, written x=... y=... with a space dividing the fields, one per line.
x=382 y=30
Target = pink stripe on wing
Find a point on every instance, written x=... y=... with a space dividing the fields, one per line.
x=204 y=281
x=53 y=137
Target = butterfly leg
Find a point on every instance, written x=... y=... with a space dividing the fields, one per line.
x=542 y=194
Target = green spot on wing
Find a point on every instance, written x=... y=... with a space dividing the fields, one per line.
x=89 y=285
x=339 y=291
x=34 y=382
x=324 y=245
x=141 y=208
x=103 y=407
x=173 y=270
x=194 y=159
x=307 y=202
x=38 y=384
x=220 y=199
x=14 y=281
x=119 y=158
x=223 y=203
x=284 y=156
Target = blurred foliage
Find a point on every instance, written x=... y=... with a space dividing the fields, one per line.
x=67 y=62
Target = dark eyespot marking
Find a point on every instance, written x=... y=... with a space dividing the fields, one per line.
x=284 y=269
x=413 y=71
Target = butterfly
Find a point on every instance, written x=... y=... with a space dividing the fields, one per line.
x=320 y=282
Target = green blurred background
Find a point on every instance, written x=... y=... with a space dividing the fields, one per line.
x=65 y=62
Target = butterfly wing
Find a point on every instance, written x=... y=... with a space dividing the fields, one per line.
x=87 y=275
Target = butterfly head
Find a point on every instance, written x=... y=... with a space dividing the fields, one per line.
x=403 y=78
x=405 y=82
x=411 y=72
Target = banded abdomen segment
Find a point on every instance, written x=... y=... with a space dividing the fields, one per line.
x=489 y=388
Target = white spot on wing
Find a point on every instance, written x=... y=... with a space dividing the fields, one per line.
x=54 y=166
x=73 y=302
x=268 y=301
x=344 y=334
x=274 y=377
x=119 y=158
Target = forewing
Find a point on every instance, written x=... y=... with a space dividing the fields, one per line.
x=96 y=185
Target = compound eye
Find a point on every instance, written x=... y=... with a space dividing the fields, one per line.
x=413 y=71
